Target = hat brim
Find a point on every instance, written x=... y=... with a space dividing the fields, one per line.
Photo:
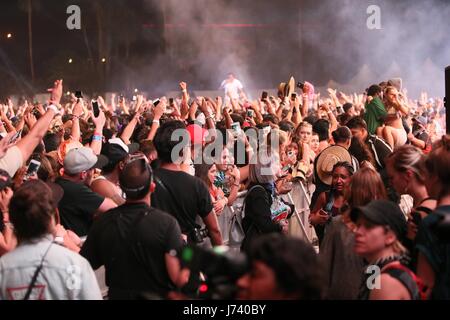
x=102 y=161
x=335 y=154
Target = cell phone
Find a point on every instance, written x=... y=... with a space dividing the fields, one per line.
x=15 y=137
x=250 y=113
x=134 y=98
x=293 y=96
x=33 y=168
x=236 y=127
x=300 y=85
x=156 y=102
x=95 y=108
x=78 y=94
x=264 y=95
x=171 y=101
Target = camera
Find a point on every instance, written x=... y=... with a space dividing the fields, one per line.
x=221 y=267
x=198 y=235
x=300 y=85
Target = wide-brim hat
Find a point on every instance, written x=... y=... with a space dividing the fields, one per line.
x=396 y=83
x=287 y=88
x=326 y=161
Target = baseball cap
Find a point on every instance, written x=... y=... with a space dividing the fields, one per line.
x=197 y=134
x=116 y=150
x=383 y=213
x=82 y=159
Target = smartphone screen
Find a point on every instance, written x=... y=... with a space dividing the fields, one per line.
x=156 y=102
x=293 y=96
x=15 y=137
x=33 y=168
x=170 y=101
x=95 y=108
x=236 y=127
x=264 y=95
x=250 y=113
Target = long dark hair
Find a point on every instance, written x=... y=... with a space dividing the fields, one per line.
x=201 y=172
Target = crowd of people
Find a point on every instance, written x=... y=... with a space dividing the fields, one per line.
x=140 y=188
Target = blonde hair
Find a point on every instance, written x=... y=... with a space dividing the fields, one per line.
x=405 y=158
x=399 y=248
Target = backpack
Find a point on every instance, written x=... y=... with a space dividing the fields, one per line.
x=236 y=233
x=409 y=279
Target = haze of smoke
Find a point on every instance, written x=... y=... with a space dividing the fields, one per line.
x=413 y=42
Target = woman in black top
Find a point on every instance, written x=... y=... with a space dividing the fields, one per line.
x=258 y=203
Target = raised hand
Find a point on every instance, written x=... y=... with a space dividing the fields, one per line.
x=56 y=92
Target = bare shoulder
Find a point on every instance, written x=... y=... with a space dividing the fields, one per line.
x=390 y=289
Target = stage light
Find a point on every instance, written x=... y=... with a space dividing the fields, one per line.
x=136 y=90
x=104 y=60
x=9 y=35
x=70 y=60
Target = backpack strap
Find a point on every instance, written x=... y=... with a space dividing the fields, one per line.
x=409 y=279
x=424 y=209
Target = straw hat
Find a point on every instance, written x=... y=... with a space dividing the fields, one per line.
x=326 y=160
x=287 y=88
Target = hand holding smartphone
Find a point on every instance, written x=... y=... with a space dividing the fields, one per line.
x=33 y=169
x=95 y=108
x=15 y=137
x=264 y=96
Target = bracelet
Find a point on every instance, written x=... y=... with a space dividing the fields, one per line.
x=54 y=108
x=156 y=121
x=184 y=91
x=97 y=138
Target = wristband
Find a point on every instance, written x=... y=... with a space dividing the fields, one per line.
x=184 y=91
x=54 y=108
x=97 y=138
x=156 y=121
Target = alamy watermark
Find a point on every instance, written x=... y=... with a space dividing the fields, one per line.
x=73 y=22
x=374 y=280
x=374 y=20
x=263 y=146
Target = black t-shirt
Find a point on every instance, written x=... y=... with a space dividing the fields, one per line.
x=77 y=206
x=185 y=198
x=132 y=247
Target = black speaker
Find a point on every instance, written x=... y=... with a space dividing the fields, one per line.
x=447 y=99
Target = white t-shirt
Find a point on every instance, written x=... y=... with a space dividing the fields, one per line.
x=232 y=88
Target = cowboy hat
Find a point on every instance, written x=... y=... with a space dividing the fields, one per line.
x=286 y=88
x=326 y=160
